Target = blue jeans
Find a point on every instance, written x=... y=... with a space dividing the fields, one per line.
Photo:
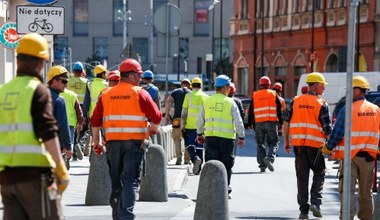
x=193 y=148
x=267 y=142
x=124 y=159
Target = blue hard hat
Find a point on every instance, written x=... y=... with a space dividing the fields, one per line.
x=148 y=74
x=78 y=66
x=222 y=80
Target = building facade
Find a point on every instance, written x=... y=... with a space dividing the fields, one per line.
x=283 y=39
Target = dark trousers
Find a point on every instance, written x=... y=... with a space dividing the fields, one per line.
x=267 y=142
x=221 y=149
x=306 y=159
x=193 y=148
x=124 y=159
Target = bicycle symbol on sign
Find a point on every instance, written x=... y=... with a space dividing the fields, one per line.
x=45 y=26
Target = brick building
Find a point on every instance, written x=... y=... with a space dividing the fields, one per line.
x=293 y=41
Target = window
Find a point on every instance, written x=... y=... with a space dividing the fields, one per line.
x=101 y=47
x=330 y=4
x=81 y=17
x=141 y=47
x=244 y=9
x=118 y=17
x=280 y=71
x=296 y=6
x=201 y=22
x=284 y=7
x=277 y=8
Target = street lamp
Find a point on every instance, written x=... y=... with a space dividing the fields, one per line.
x=126 y=18
x=211 y=8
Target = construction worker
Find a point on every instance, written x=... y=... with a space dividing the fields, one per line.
x=75 y=119
x=147 y=84
x=94 y=89
x=113 y=78
x=79 y=84
x=217 y=124
x=277 y=87
x=189 y=116
x=265 y=117
x=123 y=112
x=364 y=145
x=306 y=127
x=33 y=174
x=236 y=100
x=57 y=80
x=178 y=95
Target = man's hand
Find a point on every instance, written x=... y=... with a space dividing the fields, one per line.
x=241 y=143
x=68 y=153
x=62 y=176
x=325 y=151
x=79 y=128
x=279 y=130
x=287 y=147
x=98 y=148
x=201 y=139
x=153 y=128
x=167 y=117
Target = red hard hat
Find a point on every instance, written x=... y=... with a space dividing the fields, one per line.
x=277 y=86
x=264 y=81
x=232 y=89
x=130 y=65
x=114 y=75
x=304 y=89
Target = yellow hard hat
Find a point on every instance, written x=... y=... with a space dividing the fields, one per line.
x=196 y=80
x=316 y=77
x=99 y=69
x=34 y=45
x=360 y=82
x=56 y=71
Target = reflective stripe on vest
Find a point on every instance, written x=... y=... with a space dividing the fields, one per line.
x=265 y=106
x=70 y=98
x=78 y=85
x=95 y=87
x=19 y=146
x=122 y=115
x=305 y=129
x=195 y=100
x=363 y=138
x=218 y=117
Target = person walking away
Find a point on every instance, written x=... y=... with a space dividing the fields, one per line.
x=218 y=122
x=177 y=96
x=79 y=84
x=113 y=78
x=147 y=84
x=277 y=87
x=57 y=80
x=75 y=119
x=190 y=110
x=265 y=117
x=123 y=112
x=33 y=175
x=236 y=100
x=364 y=145
x=307 y=125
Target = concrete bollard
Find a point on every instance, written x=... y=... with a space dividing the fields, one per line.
x=99 y=182
x=154 y=186
x=212 y=196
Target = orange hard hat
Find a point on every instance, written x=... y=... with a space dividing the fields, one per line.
x=264 y=81
x=304 y=89
x=232 y=88
x=130 y=65
x=114 y=75
x=277 y=86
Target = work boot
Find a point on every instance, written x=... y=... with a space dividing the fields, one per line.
x=78 y=152
x=268 y=164
x=303 y=216
x=197 y=166
x=262 y=169
x=316 y=210
x=179 y=161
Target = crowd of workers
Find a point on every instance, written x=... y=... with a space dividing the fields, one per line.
x=45 y=125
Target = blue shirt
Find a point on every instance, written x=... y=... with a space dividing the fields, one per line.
x=59 y=111
x=338 y=132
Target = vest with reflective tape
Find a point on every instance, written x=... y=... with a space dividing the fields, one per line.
x=122 y=115
x=365 y=130
x=78 y=85
x=305 y=129
x=19 y=146
x=70 y=98
x=195 y=100
x=218 y=117
x=95 y=87
x=264 y=105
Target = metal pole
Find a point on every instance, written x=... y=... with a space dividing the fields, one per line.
x=357 y=54
x=348 y=113
x=167 y=48
x=151 y=36
x=312 y=35
x=262 y=37
x=221 y=37
x=124 y=24
x=212 y=41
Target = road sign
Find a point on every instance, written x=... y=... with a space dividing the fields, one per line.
x=8 y=35
x=167 y=18
x=41 y=2
x=40 y=19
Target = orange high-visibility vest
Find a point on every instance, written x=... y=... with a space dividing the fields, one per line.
x=264 y=105
x=122 y=115
x=305 y=129
x=365 y=130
